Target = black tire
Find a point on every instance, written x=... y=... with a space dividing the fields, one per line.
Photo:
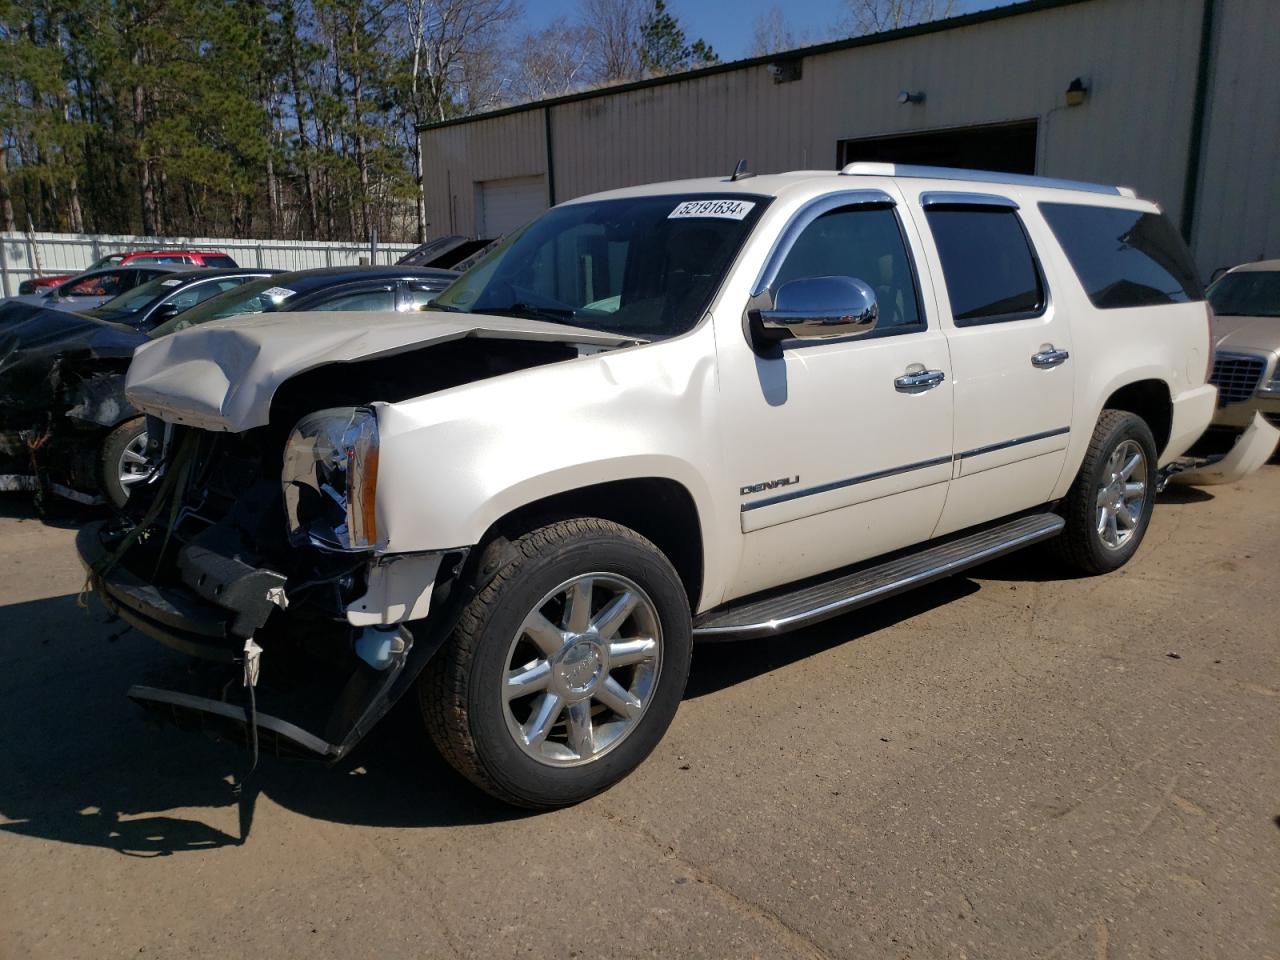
x=1081 y=545
x=114 y=448
x=460 y=693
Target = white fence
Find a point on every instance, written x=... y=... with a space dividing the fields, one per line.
x=28 y=255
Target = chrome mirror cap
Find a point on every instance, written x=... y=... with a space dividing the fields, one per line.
x=821 y=308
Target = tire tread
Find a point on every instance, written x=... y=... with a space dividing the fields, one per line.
x=443 y=689
x=1075 y=546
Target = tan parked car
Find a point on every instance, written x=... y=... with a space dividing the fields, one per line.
x=1246 y=367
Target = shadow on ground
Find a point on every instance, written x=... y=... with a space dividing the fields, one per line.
x=84 y=766
x=64 y=514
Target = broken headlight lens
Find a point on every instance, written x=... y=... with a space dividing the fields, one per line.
x=329 y=478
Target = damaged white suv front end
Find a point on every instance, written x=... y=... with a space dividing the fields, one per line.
x=324 y=481
x=260 y=509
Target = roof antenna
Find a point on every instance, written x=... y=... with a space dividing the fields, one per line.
x=740 y=172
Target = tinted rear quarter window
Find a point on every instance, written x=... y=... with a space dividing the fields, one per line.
x=219 y=261
x=1124 y=258
x=990 y=271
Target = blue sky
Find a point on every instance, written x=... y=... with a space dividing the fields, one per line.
x=727 y=26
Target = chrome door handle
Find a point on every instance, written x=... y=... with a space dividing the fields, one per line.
x=915 y=382
x=1049 y=358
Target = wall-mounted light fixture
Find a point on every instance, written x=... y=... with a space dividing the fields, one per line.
x=906 y=96
x=785 y=70
x=1077 y=92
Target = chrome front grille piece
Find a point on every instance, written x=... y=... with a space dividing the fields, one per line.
x=1237 y=375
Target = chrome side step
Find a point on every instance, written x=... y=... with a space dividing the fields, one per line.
x=794 y=607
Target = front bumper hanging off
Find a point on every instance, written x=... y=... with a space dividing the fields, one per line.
x=1251 y=450
x=304 y=707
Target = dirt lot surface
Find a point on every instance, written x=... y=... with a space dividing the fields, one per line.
x=1011 y=764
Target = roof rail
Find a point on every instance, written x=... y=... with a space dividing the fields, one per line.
x=866 y=169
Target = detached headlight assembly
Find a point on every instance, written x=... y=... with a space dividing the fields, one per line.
x=330 y=475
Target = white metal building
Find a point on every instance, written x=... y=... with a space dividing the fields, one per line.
x=1180 y=100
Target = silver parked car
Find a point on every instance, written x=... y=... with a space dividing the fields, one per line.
x=1246 y=366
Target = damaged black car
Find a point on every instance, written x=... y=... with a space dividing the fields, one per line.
x=66 y=428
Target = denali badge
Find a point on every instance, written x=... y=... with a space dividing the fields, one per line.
x=769 y=485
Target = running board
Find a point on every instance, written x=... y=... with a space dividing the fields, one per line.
x=778 y=612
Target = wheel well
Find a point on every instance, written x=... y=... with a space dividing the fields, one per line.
x=1150 y=400
x=658 y=509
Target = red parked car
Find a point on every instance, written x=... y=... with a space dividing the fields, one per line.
x=196 y=258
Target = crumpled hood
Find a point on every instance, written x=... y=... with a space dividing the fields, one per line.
x=1260 y=334
x=223 y=375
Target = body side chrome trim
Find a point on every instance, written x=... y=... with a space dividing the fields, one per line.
x=848 y=482
x=893 y=471
x=1005 y=444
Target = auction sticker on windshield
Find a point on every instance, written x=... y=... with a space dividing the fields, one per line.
x=170 y=283
x=723 y=209
x=278 y=293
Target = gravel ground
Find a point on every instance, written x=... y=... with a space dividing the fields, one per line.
x=1008 y=764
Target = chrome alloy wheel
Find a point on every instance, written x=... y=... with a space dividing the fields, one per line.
x=134 y=466
x=582 y=669
x=1122 y=495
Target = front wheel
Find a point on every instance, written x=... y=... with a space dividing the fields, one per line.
x=566 y=669
x=1108 y=507
x=124 y=460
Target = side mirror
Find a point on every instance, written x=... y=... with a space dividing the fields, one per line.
x=816 y=308
x=166 y=311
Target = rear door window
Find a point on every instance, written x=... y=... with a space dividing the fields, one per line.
x=199 y=292
x=987 y=262
x=365 y=299
x=99 y=285
x=1124 y=258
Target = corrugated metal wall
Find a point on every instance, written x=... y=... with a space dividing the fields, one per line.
x=1138 y=57
x=457 y=159
x=25 y=255
x=1238 y=211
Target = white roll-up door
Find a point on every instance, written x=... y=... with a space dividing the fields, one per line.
x=503 y=205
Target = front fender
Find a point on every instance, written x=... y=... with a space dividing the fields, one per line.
x=452 y=464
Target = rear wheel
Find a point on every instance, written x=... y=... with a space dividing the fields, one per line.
x=1108 y=507
x=124 y=460
x=567 y=667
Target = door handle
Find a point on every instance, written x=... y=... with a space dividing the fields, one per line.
x=917 y=382
x=1049 y=358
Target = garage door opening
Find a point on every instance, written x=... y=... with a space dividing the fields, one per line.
x=1004 y=147
x=504 y=205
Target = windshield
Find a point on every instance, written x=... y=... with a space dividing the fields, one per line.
x=267 y=295
x=641 y=266
x=1247 y=293
x=134 y=303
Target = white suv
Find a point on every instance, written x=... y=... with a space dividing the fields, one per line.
x=709 y=409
